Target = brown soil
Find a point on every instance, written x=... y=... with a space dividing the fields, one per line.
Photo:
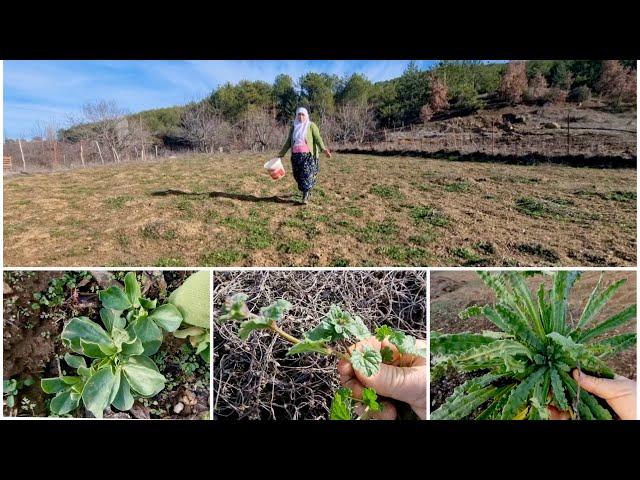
x=452 y=292
x=366 y=211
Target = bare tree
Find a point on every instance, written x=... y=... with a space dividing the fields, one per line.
x=617 y=84
x=105 y=123
x=205 y=128
x=354 y=122
x=513 y=82
x=260 y=128
x=438 y=94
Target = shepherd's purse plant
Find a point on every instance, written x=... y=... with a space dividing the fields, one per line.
x=526 y=365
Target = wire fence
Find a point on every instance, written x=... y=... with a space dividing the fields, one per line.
x=497 y=139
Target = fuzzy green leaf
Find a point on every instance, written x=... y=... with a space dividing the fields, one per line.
x=276 y=310
x=612 y=345
x=132 y=289
x=123 y=400
x=112 y=318
x=74 y=361
x=235 y=308
x=248 y=326
x=341 y=405
x=563 y=280
x=115 y=298
x=83 y=328
x=64 y=402
x=370 y=399
x=462 y=403
x=558 y=390
x=143 y=375
x=167 y=317
x=366 y=361
x=97 y=391
x=387 y=355
x=307 y=345
x=149 y=334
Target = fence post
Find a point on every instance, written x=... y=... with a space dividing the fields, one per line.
x=493 y=142
x=82 y=155
x=568 y=134
x=156 y=151
x=24 y=164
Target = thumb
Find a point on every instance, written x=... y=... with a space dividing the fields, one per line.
x=400 y=383
x=602 y=387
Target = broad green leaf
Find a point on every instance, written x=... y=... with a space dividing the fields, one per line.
x=97 y=391
x=387 y=355
x=193 y=299
x=307 y=345
x=367 y=361
x=123 y=399
x=83 y=328
x=53 y=385
x=338 y=324
x=143 y=375
x=248 y=326
x=149 y=334
x=74 y=361
x=449 y=344
x=91 y=350
x=323 y=331
x=64 y=402
x=112 y=318
x=147 y=303
x=167 y=316
x=206 y=353
x=406 y=344
x=115 y=298
x=615 y=321
x=201 y=346
x=133 y=347
x=341 y=405
x=115 y=387
x=370 y=399
x=597 y=300
x=188 y=332
x=132 y=289
x=520 y=395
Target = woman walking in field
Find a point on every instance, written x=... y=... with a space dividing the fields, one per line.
x=306 y=143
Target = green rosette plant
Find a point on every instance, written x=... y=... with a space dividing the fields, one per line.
x=527 y=364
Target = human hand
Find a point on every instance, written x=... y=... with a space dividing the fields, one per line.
x=328 y=152
x=619 y=392
x=405 y=379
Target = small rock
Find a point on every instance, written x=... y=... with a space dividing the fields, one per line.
x=178 y=407
x=6 y=289
x=551 y=125
x=139 y=411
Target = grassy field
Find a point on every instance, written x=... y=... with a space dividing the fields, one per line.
x=365 y=211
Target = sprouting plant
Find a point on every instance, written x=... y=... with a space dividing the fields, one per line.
x=527 y=364
x=120 y=365
x=331 y=337
x=11 y=387
x=192 y=300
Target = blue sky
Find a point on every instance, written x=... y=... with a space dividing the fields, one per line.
x=52 y=91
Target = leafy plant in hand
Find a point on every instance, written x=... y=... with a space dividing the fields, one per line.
x=332 y=337
x=119 y=366
x=527 y=363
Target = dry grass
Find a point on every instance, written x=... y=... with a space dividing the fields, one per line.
x=256 y=380
x=366 y=211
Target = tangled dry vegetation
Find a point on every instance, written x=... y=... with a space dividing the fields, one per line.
x=256 y=380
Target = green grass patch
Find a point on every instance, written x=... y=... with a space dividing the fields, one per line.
x=402 y=254
x=340 y=262
x=430 y=215
x=169 y=262
x=294 y=246
x=185 y=207
x=619 y=196
x=458 y=187
x=374 y=232
x=386 y=191
x=539 y=250
x=222 y=257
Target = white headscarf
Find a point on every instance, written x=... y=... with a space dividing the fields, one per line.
x=300 y=128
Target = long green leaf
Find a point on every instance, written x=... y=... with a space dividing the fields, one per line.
x=466 y=398
x=558 y=390
x=588 y=406
x=521 y=393
x=495 y=354
x=597 y=300
x=611 y=345
x=562 y=283
x=616 y=320
x=500 y=399
x=520 y=328
x=523 y=297
x=448 y=344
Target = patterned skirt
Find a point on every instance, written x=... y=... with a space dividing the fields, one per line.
x=305 y=170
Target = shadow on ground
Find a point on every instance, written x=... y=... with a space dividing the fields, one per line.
x=232 y=196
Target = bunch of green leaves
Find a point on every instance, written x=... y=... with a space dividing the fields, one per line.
x=527 y=363
x=142 y=317
x=11 y=387
x=119 y=353
x=332 y=336
x=55 y=293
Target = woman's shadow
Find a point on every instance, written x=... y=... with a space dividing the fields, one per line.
x=232 y=196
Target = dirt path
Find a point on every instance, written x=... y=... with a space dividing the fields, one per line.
x=365 y=211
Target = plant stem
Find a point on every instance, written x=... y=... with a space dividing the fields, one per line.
x=294 y=340
x=365 y=414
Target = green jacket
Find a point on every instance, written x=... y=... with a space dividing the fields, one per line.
x=314 y=140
